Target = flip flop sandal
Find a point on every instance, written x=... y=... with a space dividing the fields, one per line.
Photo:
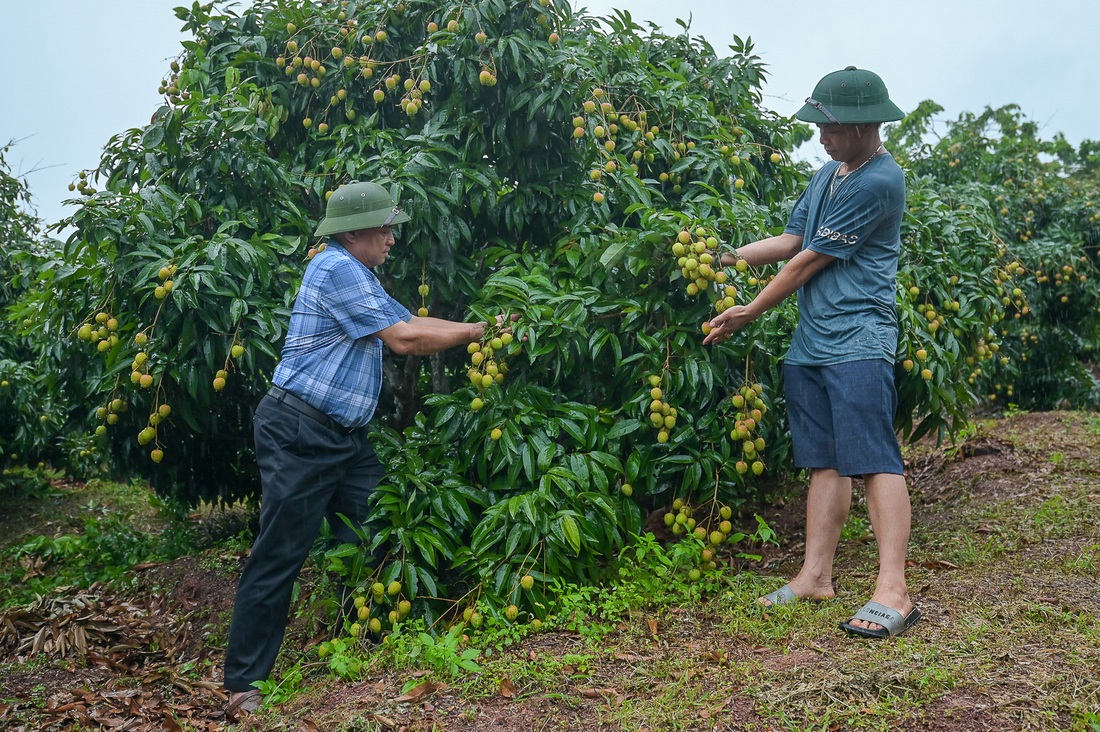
x=785 y=596
x=248 y=701
x=891 y=621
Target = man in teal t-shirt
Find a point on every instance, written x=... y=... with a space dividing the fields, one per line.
x=841 y=245
x=847 y=312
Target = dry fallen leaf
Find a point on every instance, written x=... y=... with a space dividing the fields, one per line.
x=417 y=692
x=508 y=689
x=384 y=721
x=631 y=658
x=939 y=564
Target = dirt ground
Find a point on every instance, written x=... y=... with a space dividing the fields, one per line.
x=149 y=658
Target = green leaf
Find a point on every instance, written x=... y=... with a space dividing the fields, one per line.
x=570 y=532
x=614 y=253
x=624 y=427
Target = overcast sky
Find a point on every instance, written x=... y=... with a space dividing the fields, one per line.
x=80 y=71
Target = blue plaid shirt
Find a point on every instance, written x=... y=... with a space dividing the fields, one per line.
x=331 y=359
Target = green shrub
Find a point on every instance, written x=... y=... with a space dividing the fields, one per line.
x=519 y=204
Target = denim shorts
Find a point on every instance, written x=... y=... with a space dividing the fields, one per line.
x=842 y=417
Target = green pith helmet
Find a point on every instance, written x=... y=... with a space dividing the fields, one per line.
x=359 y=205
x=849 y=97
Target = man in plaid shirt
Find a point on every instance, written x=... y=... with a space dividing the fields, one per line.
x=310 y=428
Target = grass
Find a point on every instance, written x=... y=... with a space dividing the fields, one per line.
x=1014 y=625
x=55 y=533
x=1005 y=569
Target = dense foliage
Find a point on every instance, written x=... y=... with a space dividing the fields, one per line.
x=28 y=394
x=580 y=172
x=1041 y=200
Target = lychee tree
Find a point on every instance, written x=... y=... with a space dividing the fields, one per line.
x=582 y=173
x=30 y=410
x=1041 y=200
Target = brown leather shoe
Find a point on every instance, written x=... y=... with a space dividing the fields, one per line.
x=243 y=702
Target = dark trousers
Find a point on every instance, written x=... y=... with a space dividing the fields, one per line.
x=309 y=471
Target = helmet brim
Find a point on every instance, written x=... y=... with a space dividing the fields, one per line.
x=367 y=220
x=859 y=115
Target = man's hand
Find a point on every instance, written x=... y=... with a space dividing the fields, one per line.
x=423 y=336
x=793 y=275
x=504 y=322
x=502 y=319
x=728 y=322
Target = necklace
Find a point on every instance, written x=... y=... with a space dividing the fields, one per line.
x=838 y=179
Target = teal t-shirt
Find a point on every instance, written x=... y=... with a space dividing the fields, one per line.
x=847 y=311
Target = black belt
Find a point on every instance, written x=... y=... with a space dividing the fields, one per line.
x=280 y=394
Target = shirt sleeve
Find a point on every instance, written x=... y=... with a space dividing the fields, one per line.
x=841 y=231
x=359 y=304
x=796 y=224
